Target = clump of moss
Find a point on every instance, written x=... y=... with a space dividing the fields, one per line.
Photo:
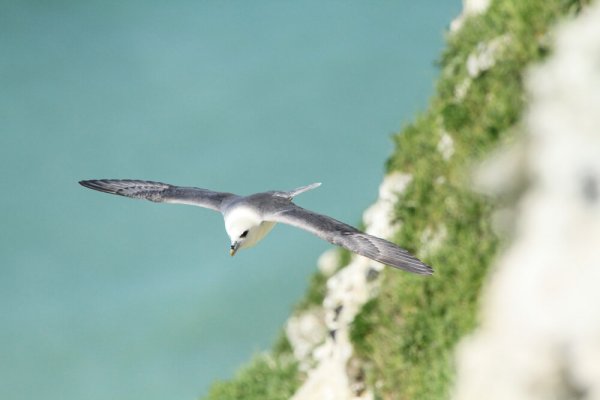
x=407 y=335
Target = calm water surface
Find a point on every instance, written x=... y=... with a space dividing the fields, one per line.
x=105 y=297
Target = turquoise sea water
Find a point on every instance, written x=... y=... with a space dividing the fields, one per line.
x=106 y=297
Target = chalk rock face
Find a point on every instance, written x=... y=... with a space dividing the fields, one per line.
x=485 y=55
x=539 y=336
x=334 y=375
x=305 y=332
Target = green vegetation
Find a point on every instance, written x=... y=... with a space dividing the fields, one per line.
x=266 y=377
x=406 y=335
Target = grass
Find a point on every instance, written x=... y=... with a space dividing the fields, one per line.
x=406 y=335
x=265 y=377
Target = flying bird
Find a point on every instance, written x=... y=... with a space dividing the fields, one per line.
x=249 y=218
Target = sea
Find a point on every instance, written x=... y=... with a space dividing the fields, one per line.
x=105 y=297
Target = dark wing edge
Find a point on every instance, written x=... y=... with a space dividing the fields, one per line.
x=344 y=235
x=159 y=192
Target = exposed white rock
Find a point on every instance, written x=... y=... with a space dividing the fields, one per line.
x=347 y=291
x=329 y=262
x=305 y=331
x=470 y=8
x=482 y=59
x=446 y=146
x=540 y=327
x=377 y=216
x=432 y=240
x=461 y=89
x=485 y=55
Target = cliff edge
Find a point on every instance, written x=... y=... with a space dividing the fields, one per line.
x=364 y=331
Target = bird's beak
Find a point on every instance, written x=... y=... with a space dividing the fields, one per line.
x=234 y=248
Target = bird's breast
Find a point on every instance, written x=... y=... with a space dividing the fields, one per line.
x=256 y=234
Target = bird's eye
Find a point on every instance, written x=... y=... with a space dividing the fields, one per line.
x=244 y=234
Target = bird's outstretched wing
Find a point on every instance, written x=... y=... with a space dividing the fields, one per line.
x=340 y=234
x=160 y=192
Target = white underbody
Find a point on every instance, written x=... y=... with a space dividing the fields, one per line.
x=255 y=235
x=241 y=219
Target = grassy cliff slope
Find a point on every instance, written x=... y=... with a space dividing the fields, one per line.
x=405 y=336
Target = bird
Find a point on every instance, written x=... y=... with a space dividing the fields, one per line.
x=248 y=219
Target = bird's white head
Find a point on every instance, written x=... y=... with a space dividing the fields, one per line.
x=243 y=227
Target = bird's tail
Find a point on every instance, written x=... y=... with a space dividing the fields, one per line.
x=302 y=189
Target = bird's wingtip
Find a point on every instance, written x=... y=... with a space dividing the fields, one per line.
x=423 y=269
x=98 y=184
x=89 y=183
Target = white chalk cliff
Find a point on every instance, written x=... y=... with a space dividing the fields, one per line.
x=320 y=337
x=539 y=336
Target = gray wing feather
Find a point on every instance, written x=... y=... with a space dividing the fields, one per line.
x=340 y=234
x=159 y=192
